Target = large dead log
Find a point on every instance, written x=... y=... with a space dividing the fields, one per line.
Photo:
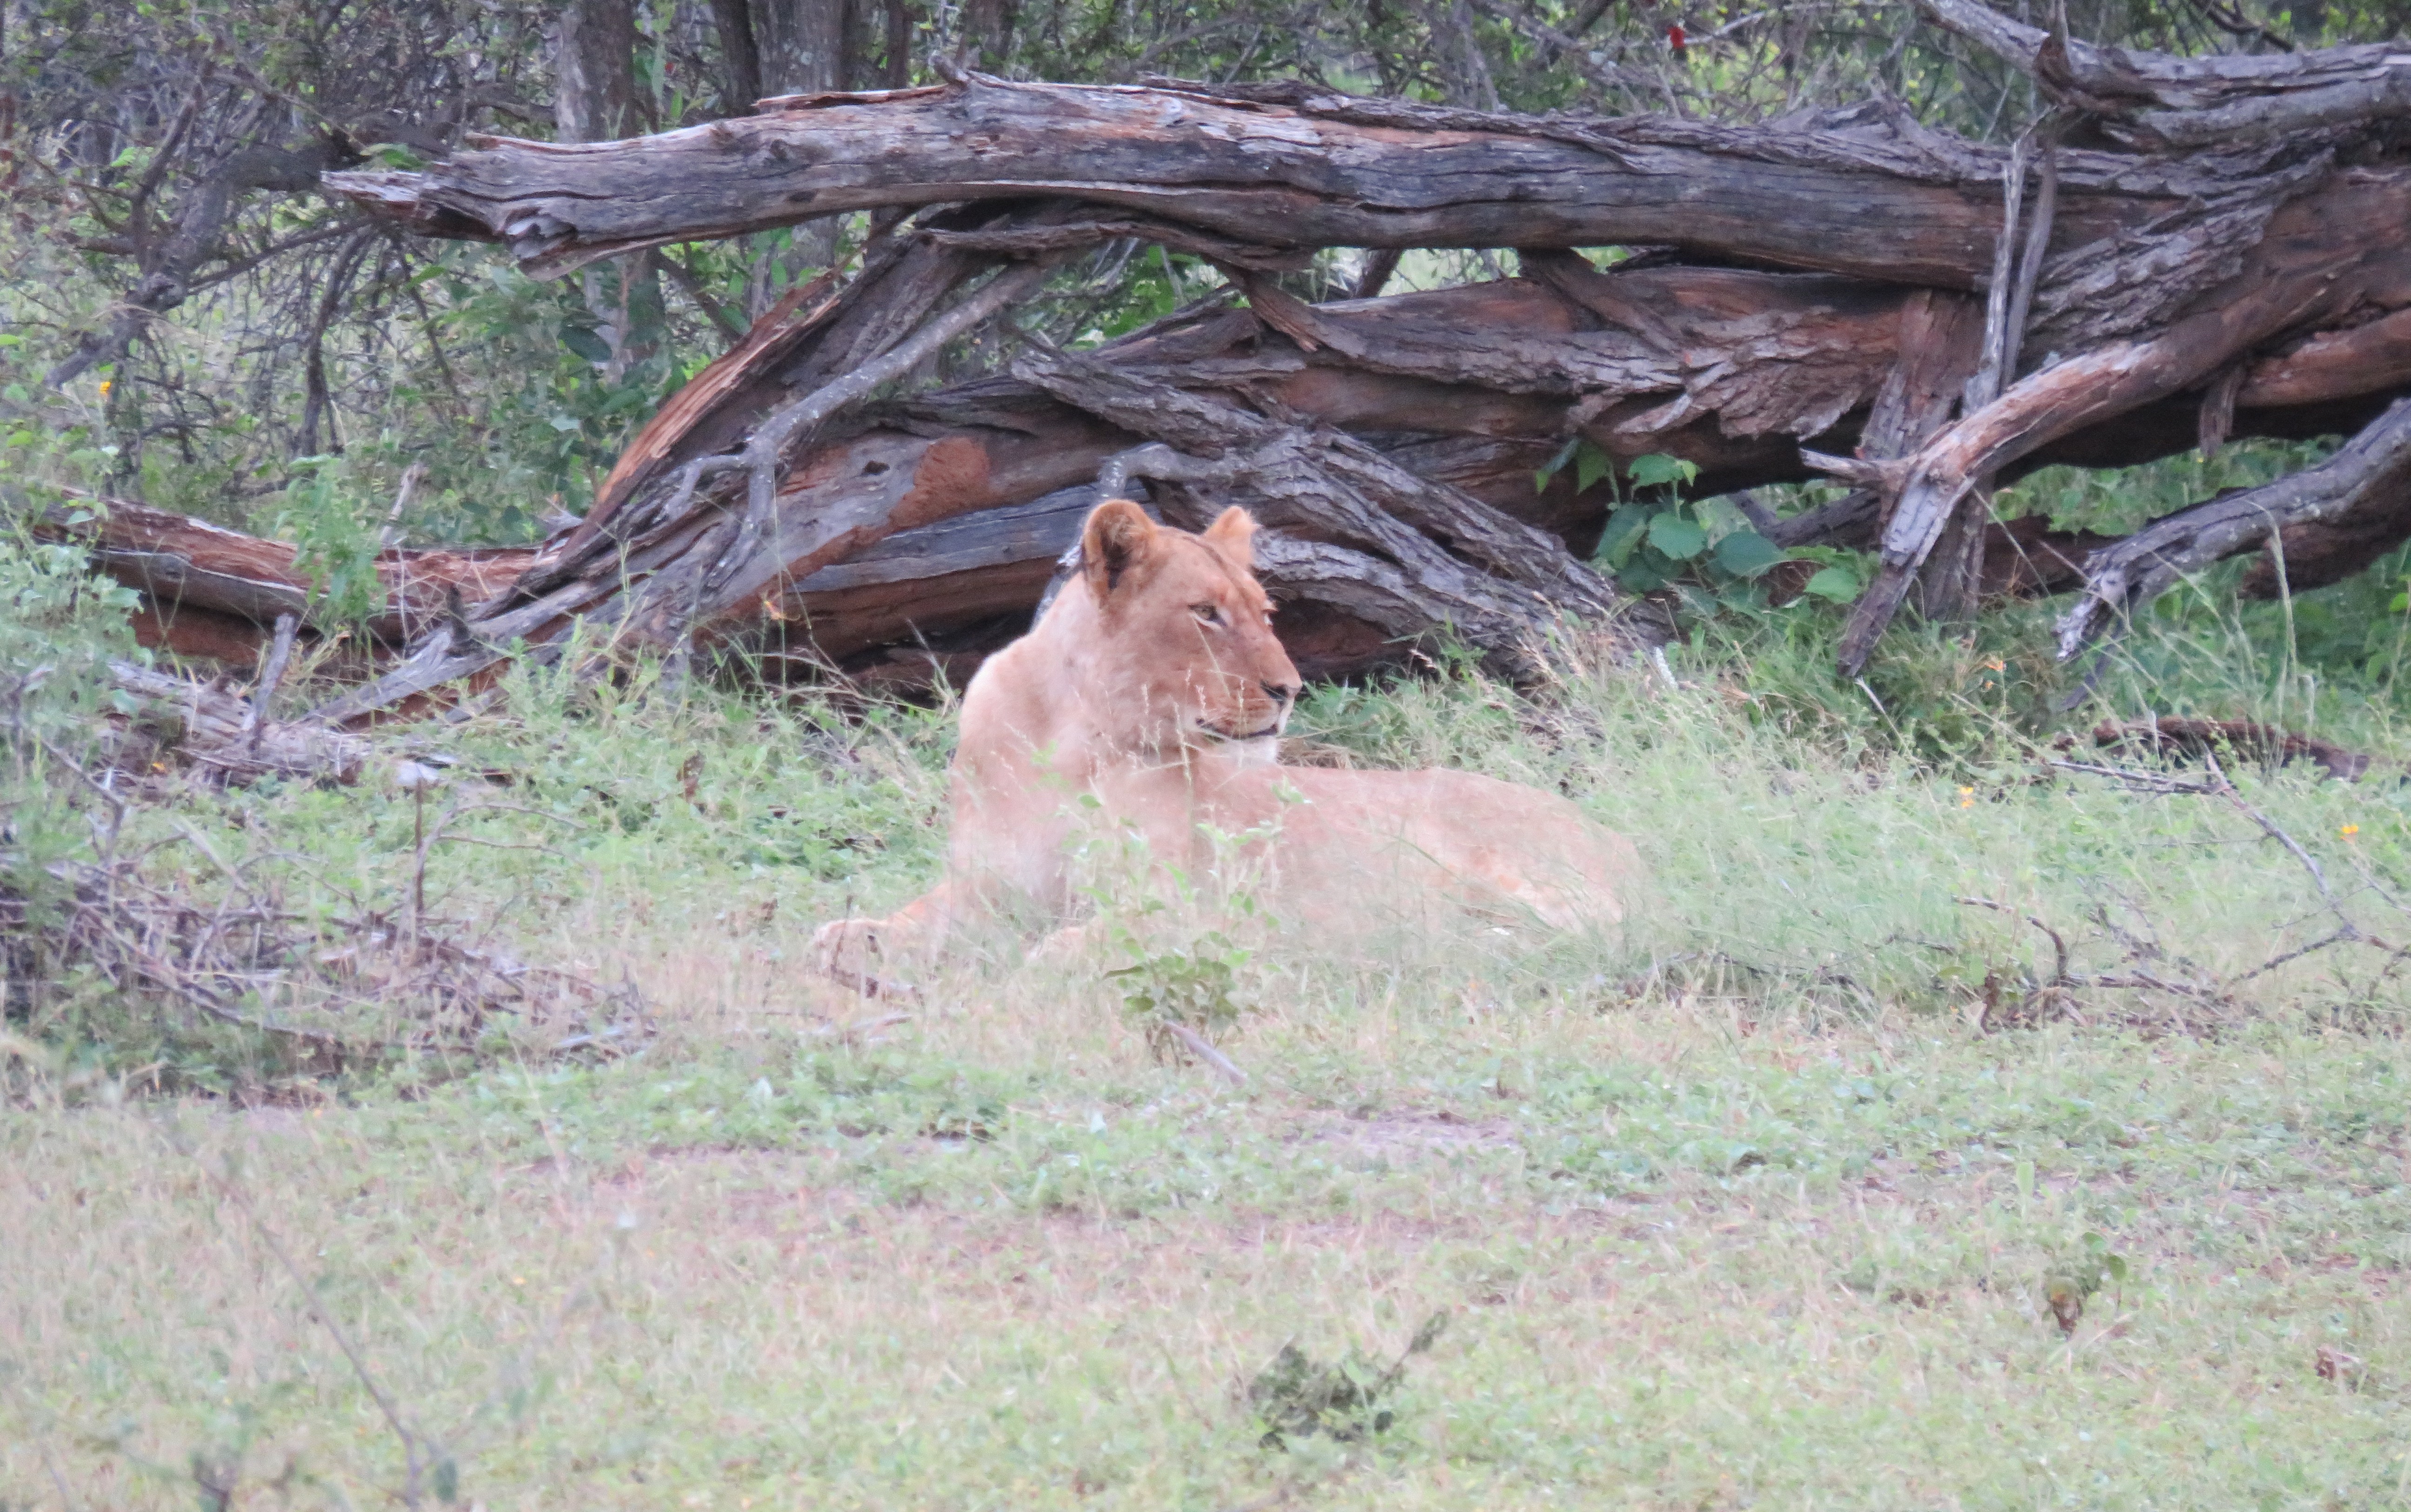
x=211 y=592
x=2322 y=258
x=1315 y=169
x=1849 y=288
x=1730 y=369
x=1863 y=192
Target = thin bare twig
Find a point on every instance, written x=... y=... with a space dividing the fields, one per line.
x=413 y=1446
x=690 y=283
x=2341 y=937
x=2147 y=781
x=1198 y=1046
x=2225 y=790
x=2059 y=947
x=857 y=1031
x=255 y=724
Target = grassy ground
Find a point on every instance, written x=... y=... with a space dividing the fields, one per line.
x=1813 y=1190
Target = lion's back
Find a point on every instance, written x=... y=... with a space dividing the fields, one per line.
x=1344 y=832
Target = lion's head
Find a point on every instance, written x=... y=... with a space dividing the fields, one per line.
x=1182 y=652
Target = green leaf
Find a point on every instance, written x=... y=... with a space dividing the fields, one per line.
x=1839 y=584
x=447 y=1481
x=1643 y=577
x=1590 y=465
x=1657 y=468
x=394 y=155
x=586 y=343
x=1677 y=537
x=1622 y=534
x=1721 y=516
x=2402 y=601
x=1554 y=464
x=1746 y=554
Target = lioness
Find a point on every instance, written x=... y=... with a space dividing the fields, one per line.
x=1151 y=695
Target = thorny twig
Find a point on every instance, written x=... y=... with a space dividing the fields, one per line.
x=2217 y=785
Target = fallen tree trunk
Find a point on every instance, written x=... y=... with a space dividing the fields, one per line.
x=1005 y=469
x=2154 y=101
x=1852 y=291
x=1243 y=174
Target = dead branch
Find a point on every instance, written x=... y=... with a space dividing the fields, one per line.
x=1199 y=1046
x=2370 y=471
x=2128 y=777
x=2058 y=945
x=256 y=719
x=231 y=735
x=419 y=1453
x=2198 y=102
x=2151 y=300
x=2164 y=735
x=331 y=992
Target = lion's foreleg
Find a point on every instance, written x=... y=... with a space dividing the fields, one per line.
x=867 y=954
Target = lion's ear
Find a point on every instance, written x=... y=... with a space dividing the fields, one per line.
x=1235 y=528
x=1118 y=537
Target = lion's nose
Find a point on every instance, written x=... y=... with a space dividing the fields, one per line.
x=1280 y=693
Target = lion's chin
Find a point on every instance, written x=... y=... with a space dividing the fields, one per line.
x=1227 y=737
x=1252 y=748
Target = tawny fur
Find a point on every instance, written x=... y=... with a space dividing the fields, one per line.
x=1150 y=698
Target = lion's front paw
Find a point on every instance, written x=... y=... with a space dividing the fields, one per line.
x=848 y=950
x=1066 y=948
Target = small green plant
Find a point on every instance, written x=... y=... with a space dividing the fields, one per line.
x=1195 y=986
x=1297 y=1396
x=338 y=545
x=1656 y=538
x=2073 y=1282
x=61 y=624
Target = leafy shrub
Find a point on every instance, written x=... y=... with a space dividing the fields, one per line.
x=1297 y=1396
x=60 y=625
x=1657 y=538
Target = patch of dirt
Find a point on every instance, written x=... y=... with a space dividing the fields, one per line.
x=1402 y=1136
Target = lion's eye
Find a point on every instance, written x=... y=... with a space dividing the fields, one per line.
x=1207 y=613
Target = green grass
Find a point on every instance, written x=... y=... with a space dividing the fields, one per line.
x=1753 y=1206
